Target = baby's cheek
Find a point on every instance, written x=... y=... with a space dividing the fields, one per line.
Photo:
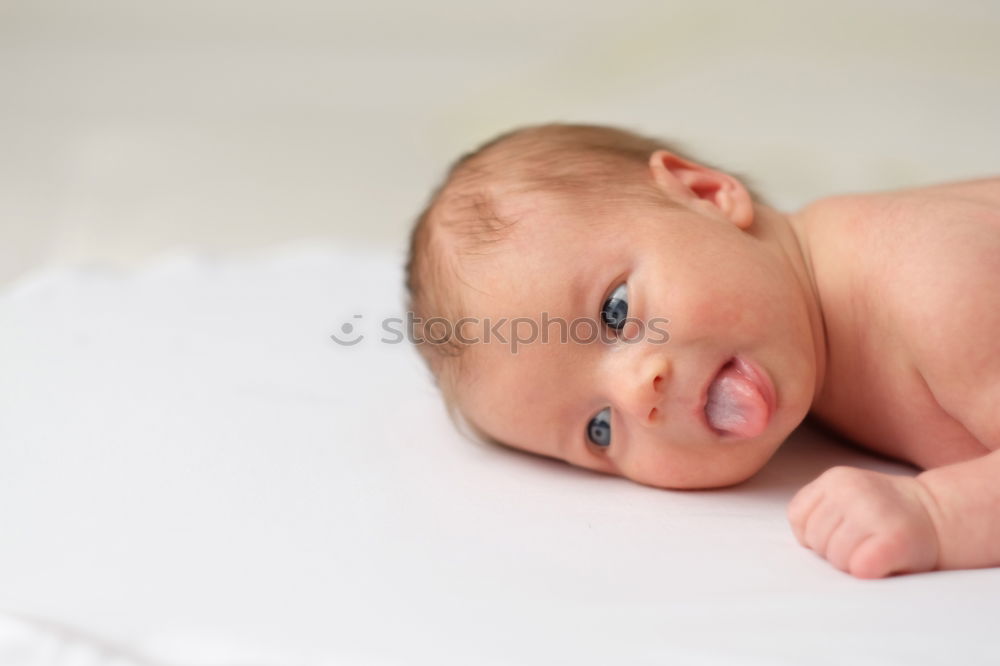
x=720 y=313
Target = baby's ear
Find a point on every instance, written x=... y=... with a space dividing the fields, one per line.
x=698 y=187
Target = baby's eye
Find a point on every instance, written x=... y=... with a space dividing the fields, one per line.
x=599 y=428
x=615 y=309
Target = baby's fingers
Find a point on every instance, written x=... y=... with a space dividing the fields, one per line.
x=821 y=524
x=887 y=553
x=801 y=507
x=844 y=542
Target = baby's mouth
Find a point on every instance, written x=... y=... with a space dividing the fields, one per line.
x=737 y=400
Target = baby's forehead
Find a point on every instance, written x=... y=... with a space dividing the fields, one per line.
x=525 y=272
x=547 y=249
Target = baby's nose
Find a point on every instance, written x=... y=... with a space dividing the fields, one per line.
x=644 y=390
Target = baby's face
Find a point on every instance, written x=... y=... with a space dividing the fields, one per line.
x=739 y=342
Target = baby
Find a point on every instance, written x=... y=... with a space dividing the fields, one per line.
x=592 y=295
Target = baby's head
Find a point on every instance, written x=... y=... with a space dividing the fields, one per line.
x=592 y=295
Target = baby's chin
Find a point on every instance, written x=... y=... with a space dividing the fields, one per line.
x=698 y=483
x=725 y=481
x=734 y=462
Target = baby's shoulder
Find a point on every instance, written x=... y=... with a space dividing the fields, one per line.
x=933 y=243
x=929 y=204
x=920 y=252
x=935 y=258
x=982 y=192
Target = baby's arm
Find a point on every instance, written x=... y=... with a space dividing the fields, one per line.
x=966 y=511
x=872 y=524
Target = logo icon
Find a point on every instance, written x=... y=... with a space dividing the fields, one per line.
x=347 y=329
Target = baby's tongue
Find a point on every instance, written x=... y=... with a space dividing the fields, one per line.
x=735 y=405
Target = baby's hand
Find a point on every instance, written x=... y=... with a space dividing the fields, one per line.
x=866 y=523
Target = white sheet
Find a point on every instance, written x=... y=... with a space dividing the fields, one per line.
x=189 y=466
x=33 y=642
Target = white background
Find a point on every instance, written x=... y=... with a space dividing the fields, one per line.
x=127 y=127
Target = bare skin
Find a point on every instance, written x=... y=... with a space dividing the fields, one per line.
x=876 y=313
x=915 y=375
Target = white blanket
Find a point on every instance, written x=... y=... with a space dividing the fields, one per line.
x=190 y=467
